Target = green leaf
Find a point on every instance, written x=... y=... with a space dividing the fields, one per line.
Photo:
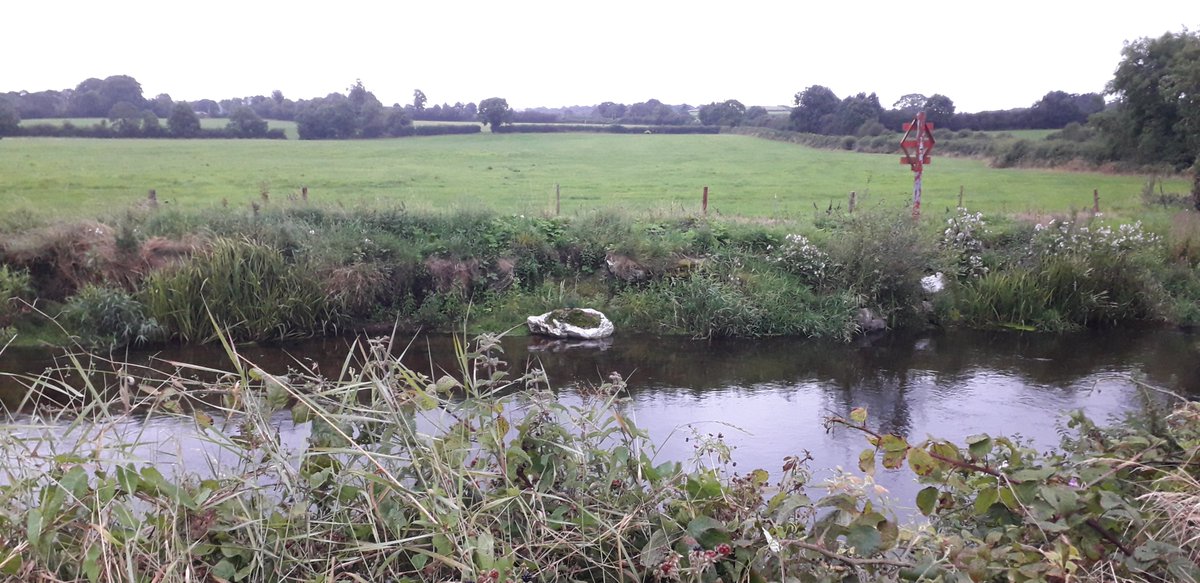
x=75 y=482
x=893 y=443
x=859 y=415
x=893 y=460
x=921 y=462
x=979 y=445
x=485 y=551
x=700 y=487
x=91 y=562
x=927 y=499
x=945 y=450
x=128 y=479
x=866 y=539
x=985 y=498
x=1061 y=499
x=10 y=562
x=866 y=461
x=33 y=526
x=1009 y=498
x=224 y=569
x=301 y=413
x=890 y=533
x=656 y=549
x=1032 y=474
x=419 y=560
x=708 y=531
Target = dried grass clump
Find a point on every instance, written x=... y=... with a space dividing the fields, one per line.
x=62 y=258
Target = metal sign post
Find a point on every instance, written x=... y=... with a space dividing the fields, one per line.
x=917 y=143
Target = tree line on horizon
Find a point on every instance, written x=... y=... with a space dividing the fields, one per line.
x=1154 y=116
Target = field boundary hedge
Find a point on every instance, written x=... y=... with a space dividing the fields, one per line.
x=605 y=129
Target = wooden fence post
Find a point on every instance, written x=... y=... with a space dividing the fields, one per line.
x=557 y=200
x=704 y=203
x=853 y=200
x=960 y=196
x=1096 y=201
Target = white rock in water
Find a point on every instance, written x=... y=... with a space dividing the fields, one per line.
x=553 y=324
x=933 y=284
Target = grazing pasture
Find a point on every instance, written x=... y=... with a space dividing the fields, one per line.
x=517 y=174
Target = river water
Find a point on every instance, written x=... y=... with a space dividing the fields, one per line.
x=767 y=398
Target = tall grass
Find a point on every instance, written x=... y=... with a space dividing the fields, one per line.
x=241 y=286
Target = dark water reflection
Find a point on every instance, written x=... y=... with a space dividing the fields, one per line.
x=768 y=397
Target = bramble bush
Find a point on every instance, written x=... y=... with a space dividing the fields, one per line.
x=488 y=476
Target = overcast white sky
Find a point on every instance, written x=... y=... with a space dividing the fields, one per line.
x=993 y=55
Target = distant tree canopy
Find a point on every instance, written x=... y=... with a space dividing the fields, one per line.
x=183 y=123
x=728 y=113
x=655 y=112
x=357 y=115
x=95 y=97
x=244 y=122
x=1157 y=115
x=495 y=112
x=10 y=120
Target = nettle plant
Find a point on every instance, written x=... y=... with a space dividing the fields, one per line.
x=962 y=237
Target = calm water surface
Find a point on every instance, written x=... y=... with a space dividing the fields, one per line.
x=768 y=397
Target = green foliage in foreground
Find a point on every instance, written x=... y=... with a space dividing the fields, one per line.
x=484 y=477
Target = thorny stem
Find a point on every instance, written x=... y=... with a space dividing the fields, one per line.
x=1092 y=523
x=849 y=561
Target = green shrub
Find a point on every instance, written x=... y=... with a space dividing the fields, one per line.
x=15 y=287
x=103 y=317
x=881 y=256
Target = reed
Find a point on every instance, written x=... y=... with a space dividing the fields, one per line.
x=246 y=288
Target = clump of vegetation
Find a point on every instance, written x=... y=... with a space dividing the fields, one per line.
x=103 y=317
x=15 y=292
x=575 y=317
x=244 y=287
x=1070 y=274
x=298 y=270
x=881 y=257
x=483 y=476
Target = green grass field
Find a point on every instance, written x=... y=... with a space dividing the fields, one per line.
x=517 y=173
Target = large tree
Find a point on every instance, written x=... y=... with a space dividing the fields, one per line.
x=939 y=110
x=854 y=112
x=10 y=120
x=244 y=122
x=495 y=112
x=727 y=113
x=183 y=123
x=611 y=111
x=1157 y=85
x=814 y=109
x=370 y=118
